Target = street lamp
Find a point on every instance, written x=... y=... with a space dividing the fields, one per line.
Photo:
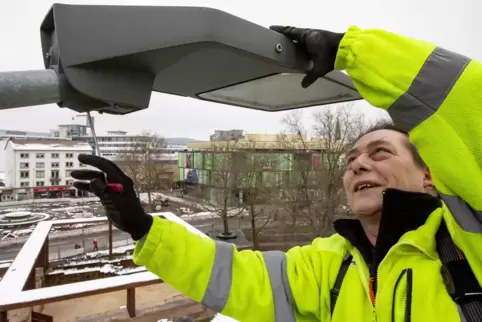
x=110 y=58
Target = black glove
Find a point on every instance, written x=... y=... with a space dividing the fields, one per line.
x=123 y=209
x=320 y=45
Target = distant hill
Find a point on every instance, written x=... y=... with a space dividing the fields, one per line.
x=179 y=141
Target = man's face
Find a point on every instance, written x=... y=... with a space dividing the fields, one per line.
x=381 y=160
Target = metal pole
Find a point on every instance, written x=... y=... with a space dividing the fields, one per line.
x=97 y=152
x=92 y=133
x=27 y=88
x=110 y=240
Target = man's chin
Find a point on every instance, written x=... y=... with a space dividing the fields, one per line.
x=367 y=211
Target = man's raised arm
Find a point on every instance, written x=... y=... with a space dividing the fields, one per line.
x=433 y=93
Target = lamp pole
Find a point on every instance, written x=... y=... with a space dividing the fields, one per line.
x=90 y=122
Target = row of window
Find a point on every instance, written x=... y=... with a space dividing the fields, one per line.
x=117 y=139
x=41 y=165
x=42 y=183
x=39 y=174
x=42 y=155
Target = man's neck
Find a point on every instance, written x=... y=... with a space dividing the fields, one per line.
x=371 y=226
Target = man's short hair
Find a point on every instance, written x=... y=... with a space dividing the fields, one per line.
x=386 y=125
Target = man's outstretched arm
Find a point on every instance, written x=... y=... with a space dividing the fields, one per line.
x=246 y=285
x=433 y=93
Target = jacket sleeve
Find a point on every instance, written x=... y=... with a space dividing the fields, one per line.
x=433 y=93
x=246 y=285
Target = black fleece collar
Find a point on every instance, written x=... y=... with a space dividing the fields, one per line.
x=402 y=211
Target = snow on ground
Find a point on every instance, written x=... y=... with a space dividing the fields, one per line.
x=222 y=318
x=217 y=318
x=117 y=250
x=188 y=213
x=56 y=209
x=5 y=264
x=106 y=269
x=41 y=201
x=144 y=197
x=81 y=260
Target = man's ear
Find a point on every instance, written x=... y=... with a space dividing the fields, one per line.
x=428 y=185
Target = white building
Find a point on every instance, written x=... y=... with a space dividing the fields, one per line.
x=5 y=135
x=36 y=164
x=115 y=143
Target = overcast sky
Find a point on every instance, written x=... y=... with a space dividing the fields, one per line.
x=453 y=25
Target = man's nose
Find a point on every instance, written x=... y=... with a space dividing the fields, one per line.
x=361 y=164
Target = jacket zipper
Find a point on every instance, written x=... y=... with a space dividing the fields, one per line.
x=373 y=288
x=373 y=276
x=408 y=295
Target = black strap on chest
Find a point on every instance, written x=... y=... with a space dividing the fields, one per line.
x=460 y=280
x=335 y=291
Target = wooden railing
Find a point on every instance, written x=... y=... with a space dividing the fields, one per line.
x=17 y=288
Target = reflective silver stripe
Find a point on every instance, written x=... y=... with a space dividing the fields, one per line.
x=468 y=218
x=217 y=292
x=429 y=88
x=461 y=313
x=278 y=276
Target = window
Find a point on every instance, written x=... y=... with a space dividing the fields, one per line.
x=69 y=164
x=69 y=182
x=55 y=155
x=54 y=173
x=40 y=165
x=24 y=155
x=68 y=172
x=40 y=174
x=39 y=183
x=69 y=155
x=40 y=155
x=54 y=165
x=24 y=165
x=23 y=184
x=24 y=174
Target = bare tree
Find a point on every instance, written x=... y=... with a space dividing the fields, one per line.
x=314 y=196
x=226 y=163
x=334 y=130
x=144 y=163
x=258 y=185
x=298 y=192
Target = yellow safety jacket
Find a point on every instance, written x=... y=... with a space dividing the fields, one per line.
x=436 y=95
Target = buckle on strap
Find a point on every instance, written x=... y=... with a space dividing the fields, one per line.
x=460 y=281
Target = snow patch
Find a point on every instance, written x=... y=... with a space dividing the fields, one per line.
x=222 y=318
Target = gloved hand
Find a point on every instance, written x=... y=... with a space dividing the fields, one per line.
x=320 y=45
x=123 y=209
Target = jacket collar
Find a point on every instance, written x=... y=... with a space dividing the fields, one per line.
x=402 y=212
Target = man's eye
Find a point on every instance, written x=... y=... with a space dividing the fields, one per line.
x=382 y=150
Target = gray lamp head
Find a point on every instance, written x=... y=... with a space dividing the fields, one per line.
x=110 y=59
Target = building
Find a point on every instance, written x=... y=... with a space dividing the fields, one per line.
x=220 y=135
x=271 y=160
x=69 y=130
x=5 y=135
x=116 y=143
x=43 y=166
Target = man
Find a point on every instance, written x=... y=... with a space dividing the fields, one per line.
x=409 y=216
x=95 y=245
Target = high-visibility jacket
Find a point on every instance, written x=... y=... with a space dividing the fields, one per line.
x=434 y=93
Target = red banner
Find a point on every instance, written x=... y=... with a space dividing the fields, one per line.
x=59 y=188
